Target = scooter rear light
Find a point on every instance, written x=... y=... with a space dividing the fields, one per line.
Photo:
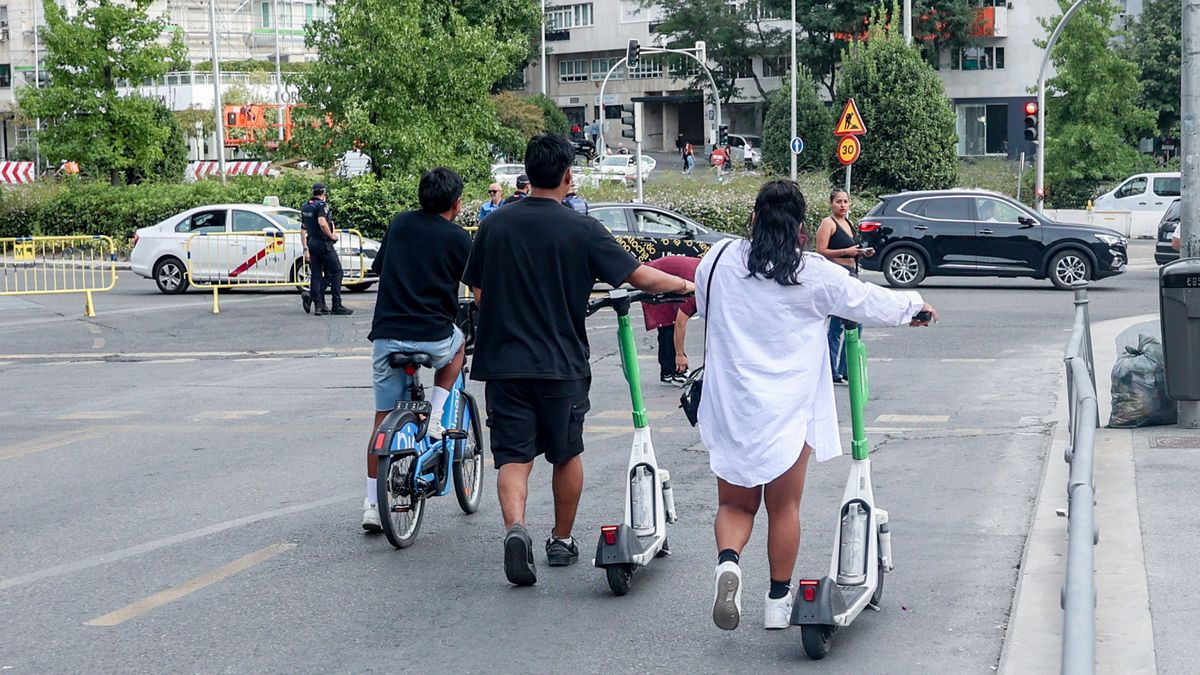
x=869 y=226
x=808 y=588
x=410 y=370
x=610 y=534
x=379 y=439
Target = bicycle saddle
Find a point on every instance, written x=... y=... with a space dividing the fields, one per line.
x=401 y=359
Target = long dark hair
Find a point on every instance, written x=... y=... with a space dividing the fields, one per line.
x=777 y=236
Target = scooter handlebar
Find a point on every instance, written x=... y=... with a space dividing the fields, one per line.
x=621 y=295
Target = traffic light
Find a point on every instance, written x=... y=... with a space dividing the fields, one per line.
x=723 y=134
x=1031 y=121
x=631 y=54
x=631 y=116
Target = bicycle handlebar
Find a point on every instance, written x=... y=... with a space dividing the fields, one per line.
x=622 y=296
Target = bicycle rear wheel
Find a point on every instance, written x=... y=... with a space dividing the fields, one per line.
x=468 y=467
x=400 y=510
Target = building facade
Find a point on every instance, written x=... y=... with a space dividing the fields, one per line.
x=988 y=84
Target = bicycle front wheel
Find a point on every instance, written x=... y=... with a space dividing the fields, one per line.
x=400 y=510
x=468 y=469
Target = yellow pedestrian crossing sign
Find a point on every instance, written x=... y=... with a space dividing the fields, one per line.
x=850 y=123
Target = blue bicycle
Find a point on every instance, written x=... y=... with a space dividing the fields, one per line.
x=413 y=466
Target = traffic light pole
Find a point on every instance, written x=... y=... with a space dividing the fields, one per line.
x=1189 y=136
x=1039 y=191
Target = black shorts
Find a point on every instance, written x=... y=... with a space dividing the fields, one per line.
x=527 y=418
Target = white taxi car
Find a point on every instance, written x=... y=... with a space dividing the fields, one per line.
x=160 y=252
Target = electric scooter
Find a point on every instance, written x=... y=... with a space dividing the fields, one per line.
x=649 y=504
x=862 y=544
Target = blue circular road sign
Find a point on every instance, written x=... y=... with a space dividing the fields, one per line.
x=797 y=145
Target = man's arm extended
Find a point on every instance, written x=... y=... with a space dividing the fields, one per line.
x=648 y=279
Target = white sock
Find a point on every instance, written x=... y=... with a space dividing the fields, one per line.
x=439 y=401
x=372 y=495
x=568 y=541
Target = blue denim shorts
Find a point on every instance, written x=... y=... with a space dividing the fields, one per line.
x=391 y=384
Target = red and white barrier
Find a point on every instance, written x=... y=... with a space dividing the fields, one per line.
x=16 y=173
x=202 y=169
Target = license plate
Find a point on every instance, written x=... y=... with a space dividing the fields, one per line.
x=419 y=407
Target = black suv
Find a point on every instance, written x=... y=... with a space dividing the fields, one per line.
x=982 y=233
x=1164 y=252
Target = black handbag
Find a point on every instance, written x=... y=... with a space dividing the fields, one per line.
x=693 y=388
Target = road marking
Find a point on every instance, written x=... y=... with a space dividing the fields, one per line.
x=99 y=415
x=98 y=343
x=967 y=360
x=86 y=357
x=188 y=587
x=230 y=414
x=122 y=554
x=603 y=429
x=165 y=361
x=871 y=359
x=623 y=414
x=46 y=443
x=913 y=418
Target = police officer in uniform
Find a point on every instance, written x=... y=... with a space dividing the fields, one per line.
x=323 y=257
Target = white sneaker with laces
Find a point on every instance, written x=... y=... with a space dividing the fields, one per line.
x=778 y=613
x=370 y=521
x=727 y=595
x=434 y=430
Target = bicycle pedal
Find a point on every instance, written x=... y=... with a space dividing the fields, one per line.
x=400 y=509
x=455 y=434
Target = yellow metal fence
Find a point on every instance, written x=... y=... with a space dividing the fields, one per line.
x=56 y=265
x=264 y=259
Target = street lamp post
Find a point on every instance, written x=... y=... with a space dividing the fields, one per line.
x=1189 y=137
x=37 y=83
x=1039 y=192
x=794 y=67
x=278 y=73
x=544 y=48
x=218 y=117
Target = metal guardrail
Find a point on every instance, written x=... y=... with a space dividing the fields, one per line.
x=1079 y=591
x=57 y=265
x=266 y=259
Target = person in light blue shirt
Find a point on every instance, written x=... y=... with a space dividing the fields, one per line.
x=495 y=198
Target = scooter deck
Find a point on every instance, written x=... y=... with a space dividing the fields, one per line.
x=628 y=548
x=832 y=605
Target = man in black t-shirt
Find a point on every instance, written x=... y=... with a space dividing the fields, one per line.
x=532 y=270
x=420 y=263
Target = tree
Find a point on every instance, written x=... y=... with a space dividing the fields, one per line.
x=86 y=121
x=1093 y=116
x=911 y=142
x=1154 y=45
x=555 y=118
x=408 y=82
x=813 y=124
x=520 y=120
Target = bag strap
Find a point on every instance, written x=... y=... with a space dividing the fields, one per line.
x=708 y=292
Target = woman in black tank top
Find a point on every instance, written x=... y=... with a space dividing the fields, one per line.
x=835 y=241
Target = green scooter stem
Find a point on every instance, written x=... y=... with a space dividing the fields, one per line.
x=856 y=360
x=629 y=363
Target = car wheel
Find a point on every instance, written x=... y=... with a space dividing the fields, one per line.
x=171 y=276
x=903 y=268
x=1069 y=267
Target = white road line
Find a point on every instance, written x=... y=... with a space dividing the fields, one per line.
x=46 y=443
x=165 y=361
x=89 y=356
x=940 y=419
x=967 y=360
x=98 y=415
x=188 y=587
x=132 y=551
x=204 y=304
x=230 y=414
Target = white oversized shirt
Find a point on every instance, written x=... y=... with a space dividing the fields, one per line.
x=767 y=383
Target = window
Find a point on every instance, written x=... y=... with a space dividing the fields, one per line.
x=647 y=68
x=574 y=70
x=244 y=221
x=5 y=76
x=683 y=68
x=600 y=69
x=949 y=208
x=205 y=221
x=1136 y=186
x=653 y=222
x=776 y=66
x=24 y=135
x=995 y=211
x=266 y=15
x=982 y=130
x=569 y=16
x=977 y=58
x=739 y=68
x=612 y=219
x=1166 y=187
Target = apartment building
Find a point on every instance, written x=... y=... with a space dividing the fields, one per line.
x=246 y=29
x=988 y=84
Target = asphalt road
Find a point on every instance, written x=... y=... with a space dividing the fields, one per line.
x=181 y=493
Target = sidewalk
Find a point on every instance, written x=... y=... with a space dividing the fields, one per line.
x=1124 y=631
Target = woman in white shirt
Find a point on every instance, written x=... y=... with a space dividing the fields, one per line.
x=768 y=400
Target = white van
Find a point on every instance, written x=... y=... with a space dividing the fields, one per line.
x=1143 y=192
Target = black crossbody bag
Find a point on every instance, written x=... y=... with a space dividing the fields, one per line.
x=694 y=387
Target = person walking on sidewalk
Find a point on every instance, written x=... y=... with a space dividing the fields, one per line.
x=836 y=241
x=768 y=402
x=670 y=320
x=532 y=270
x=318 y=227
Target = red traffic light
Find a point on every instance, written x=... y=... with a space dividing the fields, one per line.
x=1031 y=108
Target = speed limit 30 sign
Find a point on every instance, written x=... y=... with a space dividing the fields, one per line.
x=848 y=150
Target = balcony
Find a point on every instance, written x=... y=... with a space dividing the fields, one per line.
x=991 y=22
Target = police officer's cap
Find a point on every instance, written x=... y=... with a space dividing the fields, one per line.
x=318 y=188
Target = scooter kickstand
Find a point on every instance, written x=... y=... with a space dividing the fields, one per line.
x=874 y=607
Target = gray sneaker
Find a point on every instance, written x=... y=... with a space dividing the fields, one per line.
x=518 y=557
x=559 y=553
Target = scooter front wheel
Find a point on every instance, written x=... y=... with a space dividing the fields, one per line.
x=816 y=639
x=619 y=577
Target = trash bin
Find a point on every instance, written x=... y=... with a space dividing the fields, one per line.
x=1179 y=312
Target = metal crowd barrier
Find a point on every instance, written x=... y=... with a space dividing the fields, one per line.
x=1079 y=591
x=56 y=265
x=265 y=259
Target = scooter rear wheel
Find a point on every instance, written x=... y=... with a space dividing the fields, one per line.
x=816 y=639
x=877 y=596
x=619 y=577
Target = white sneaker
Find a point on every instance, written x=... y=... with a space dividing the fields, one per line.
x=370 y=521
x=727 y=595
x=434 y=430
x=778 y=613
